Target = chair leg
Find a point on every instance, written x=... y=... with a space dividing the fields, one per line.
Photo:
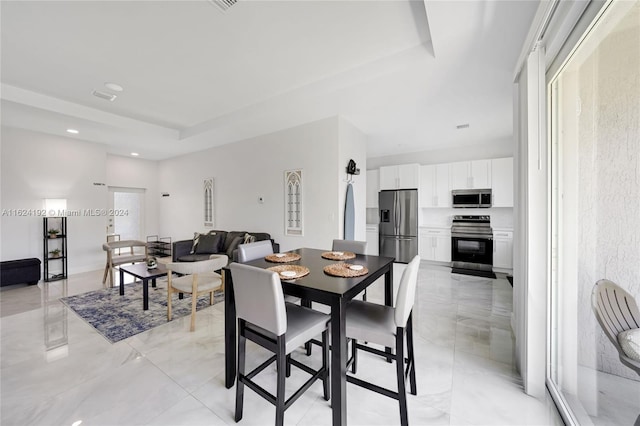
x=412 y=359
x=281 y=367
x=288 y=365
x=364 y=295
x=106 y=271
x=194 y=302
x=111 y=277
x=169 y=313
x=326 y=388
x=211 y=298
x=402 y=392
x=354 y=355
x=242 y=344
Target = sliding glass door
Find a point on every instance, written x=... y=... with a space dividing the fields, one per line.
x=595 y=218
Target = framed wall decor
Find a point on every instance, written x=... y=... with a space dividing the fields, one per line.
x=293 y=207
x=208 y=194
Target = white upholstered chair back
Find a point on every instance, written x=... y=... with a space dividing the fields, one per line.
x=407 y=292
x=357 y=247
x=252 y=251
x=259 y=297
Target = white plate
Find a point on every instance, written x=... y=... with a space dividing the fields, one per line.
x=288 y=274
x=280 y=255
x=356 y=267
x=338 y=253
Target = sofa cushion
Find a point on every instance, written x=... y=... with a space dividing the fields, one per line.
x=231 y=235
x=261 y=236
x=209 y=243
x=248 y=239
x=194 y=257
x=234 y=245
x=197 y=235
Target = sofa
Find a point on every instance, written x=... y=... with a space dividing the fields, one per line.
x=203 y=245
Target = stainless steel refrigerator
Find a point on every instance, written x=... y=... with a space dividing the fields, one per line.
x=398 y=224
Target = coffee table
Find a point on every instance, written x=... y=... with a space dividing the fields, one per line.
x=140 y=271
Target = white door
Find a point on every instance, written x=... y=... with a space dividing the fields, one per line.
x=126 y=208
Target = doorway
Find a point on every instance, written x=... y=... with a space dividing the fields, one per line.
x=126 y=213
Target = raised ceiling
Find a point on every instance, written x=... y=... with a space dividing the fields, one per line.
x=404 y=72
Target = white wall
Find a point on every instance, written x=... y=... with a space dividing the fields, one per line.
x=36 y=166
x=253 y=168
x=127 y=172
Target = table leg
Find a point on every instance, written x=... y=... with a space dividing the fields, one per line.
x=121 y=282
x=153 y=282
x=338 y=362
x=145 y=294
x=229 y=331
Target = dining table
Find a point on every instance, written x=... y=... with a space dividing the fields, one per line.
x=320 y=287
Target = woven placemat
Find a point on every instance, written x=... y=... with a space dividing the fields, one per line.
x=334 y=255
x=282 y=257
x=300 y=271
x=344 y=270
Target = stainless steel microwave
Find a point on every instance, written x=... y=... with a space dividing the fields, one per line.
x=471 y=198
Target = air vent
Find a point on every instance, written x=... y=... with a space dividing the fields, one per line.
x=462 y=126
x=103 y=95
x=223 y=5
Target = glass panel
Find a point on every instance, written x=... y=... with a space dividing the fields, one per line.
x=595 y=185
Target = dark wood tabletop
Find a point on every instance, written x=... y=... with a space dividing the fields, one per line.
x=140 y=270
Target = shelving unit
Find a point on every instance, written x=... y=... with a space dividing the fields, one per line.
x=49 y=244
x=159 y=246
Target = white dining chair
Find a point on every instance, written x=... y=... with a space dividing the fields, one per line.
x=267 y=320
x=389 y=327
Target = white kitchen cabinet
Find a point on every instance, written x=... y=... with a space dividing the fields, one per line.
x=434 y=186
x=471 y=174
x=373 y=186
x=435 y=244
x=502 y=182
x=372 y=240
x=502 y=249
x=405 y=176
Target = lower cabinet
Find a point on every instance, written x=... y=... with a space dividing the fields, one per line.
x=435 y=244
x=502 y=249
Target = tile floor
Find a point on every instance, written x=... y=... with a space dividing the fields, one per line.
x=169 y=376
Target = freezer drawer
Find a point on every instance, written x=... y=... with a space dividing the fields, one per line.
x=403 y=249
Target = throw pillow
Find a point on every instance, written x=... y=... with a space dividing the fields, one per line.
x=208 y=244
x=196 y=239
x=248 y=239
x=630 y=343
x=234 y=245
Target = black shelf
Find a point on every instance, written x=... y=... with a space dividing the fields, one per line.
x=49 y=244
x=159 y=246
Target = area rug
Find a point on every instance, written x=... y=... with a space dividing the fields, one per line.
x=119 y=317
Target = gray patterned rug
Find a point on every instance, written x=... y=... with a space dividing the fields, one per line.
x=119 y=317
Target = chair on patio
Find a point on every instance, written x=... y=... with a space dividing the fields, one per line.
x=117 y=255
x=197 y=278
x=618 y=315
x=267 y=320
x=387 y=326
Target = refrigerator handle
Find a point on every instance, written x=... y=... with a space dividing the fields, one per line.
x=396 y=212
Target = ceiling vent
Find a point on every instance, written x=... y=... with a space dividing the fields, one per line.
x=103 y=95
x=462 y=126
x=223 y=5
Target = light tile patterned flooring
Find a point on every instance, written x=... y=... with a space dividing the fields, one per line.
x=169 y=376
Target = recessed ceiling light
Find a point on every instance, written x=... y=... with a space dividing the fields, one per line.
x=73 y=131
x=113 y=86
x=135 y=154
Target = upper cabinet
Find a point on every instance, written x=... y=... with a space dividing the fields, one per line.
x=405 y=176
x=502 y=182
x=373 y=186
x=434 y=186
x=471 y=174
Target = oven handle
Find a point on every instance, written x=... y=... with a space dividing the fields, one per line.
x=475 y=237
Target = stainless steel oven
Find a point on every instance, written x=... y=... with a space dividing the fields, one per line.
x=472 y=246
